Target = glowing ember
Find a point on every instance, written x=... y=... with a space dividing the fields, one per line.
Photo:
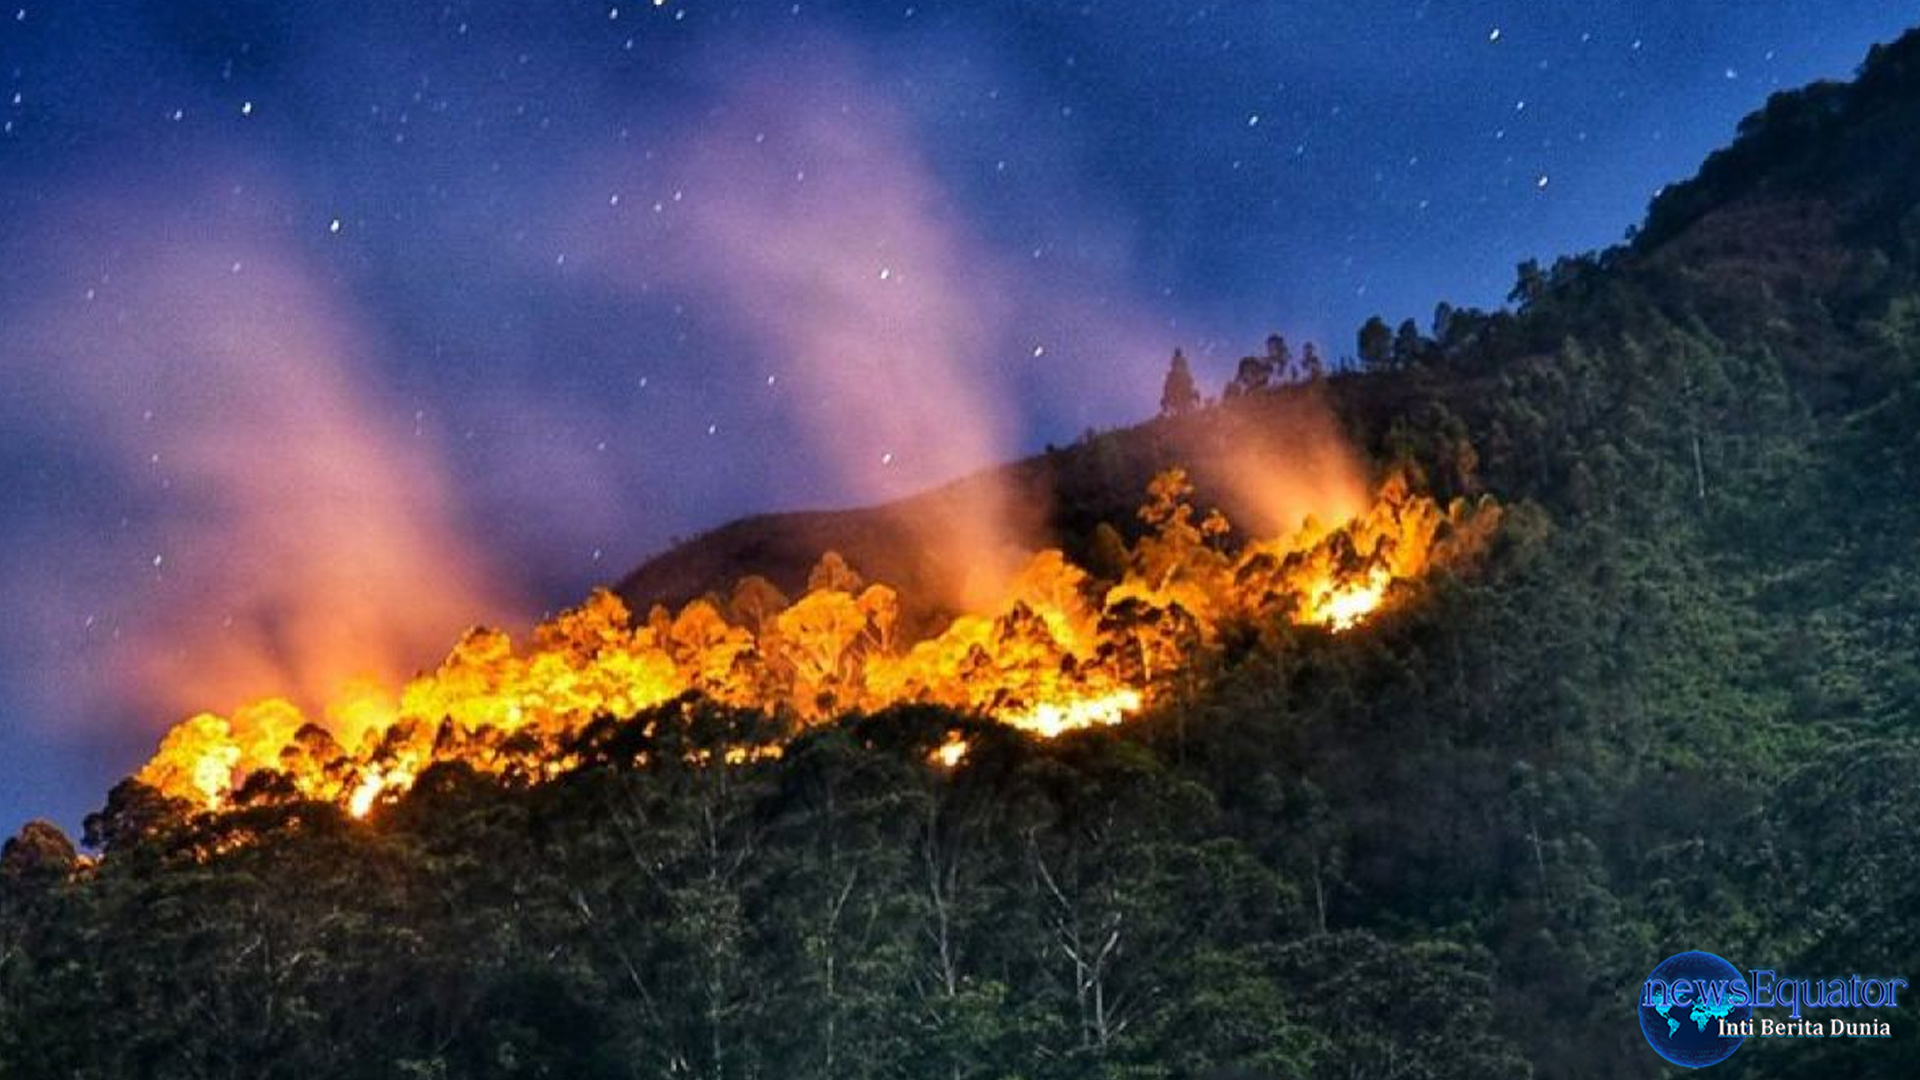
x=951 y=753
x=740 y=755
x=1060 y=652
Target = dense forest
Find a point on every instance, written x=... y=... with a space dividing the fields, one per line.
x=1671 y=706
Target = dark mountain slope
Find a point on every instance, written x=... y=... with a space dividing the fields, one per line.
x=1791 y=239
x=1059 y=498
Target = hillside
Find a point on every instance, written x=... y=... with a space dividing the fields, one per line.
x=1059 y=497
x=1793 y=239
x=1672 y=705
x=1808 y=214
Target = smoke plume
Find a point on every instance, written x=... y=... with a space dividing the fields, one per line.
x=1287 y=463
x=804 y=209
x=292 y=534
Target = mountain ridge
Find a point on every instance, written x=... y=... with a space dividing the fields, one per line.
x=1756 y=220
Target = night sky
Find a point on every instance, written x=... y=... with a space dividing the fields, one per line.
x=329 y=328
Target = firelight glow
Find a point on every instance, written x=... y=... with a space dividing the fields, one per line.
x=1059 y=652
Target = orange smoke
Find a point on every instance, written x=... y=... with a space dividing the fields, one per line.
x=1278 y=460
x=849 y=269
x=294 y=535
x=1058 y=651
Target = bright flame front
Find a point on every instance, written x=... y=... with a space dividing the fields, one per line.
x=1051 y=718
x=1062 y=651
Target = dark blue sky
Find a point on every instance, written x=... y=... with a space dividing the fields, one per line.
x=328 y=327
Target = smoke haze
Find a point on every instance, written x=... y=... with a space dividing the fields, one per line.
x=803 y=208
x=270 y=431
x=293 y=533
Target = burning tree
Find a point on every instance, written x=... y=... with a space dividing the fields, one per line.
x=1059 y=651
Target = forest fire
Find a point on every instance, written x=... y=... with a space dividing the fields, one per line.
x=1050 y=718
x=951 y=753
x=1062 y=651
x=1341 y=606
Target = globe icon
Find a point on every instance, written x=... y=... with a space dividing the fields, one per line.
x=1689 y=1034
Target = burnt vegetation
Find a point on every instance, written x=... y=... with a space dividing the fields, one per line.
x=1672 y=705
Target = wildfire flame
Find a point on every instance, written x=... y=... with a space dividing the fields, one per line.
x=1342 y=605
x=951 y=753
x=1062 y=651
x=1051 y=718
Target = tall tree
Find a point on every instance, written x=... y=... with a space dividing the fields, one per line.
x=1279 y=357
x=1253 y=376
x=1529 y=283
x=1408 y=345
x=1311 y=366
x=1376 y=343
x=1179 y=395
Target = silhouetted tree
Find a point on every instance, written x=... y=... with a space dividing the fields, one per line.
x=1253 y=375
x=1311 y=366
x=1106 y=553
x=1179 y=395
x=1408 y=345
x=1279 y=357
x=1376 y=343
x=1529 y=283
x=41 y=852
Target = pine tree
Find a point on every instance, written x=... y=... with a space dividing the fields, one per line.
x=1179 y=395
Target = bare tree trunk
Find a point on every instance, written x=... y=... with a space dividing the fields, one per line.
x=1540 y=862
x=1319 y=892
x=1699 y=470
x=830 y=962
